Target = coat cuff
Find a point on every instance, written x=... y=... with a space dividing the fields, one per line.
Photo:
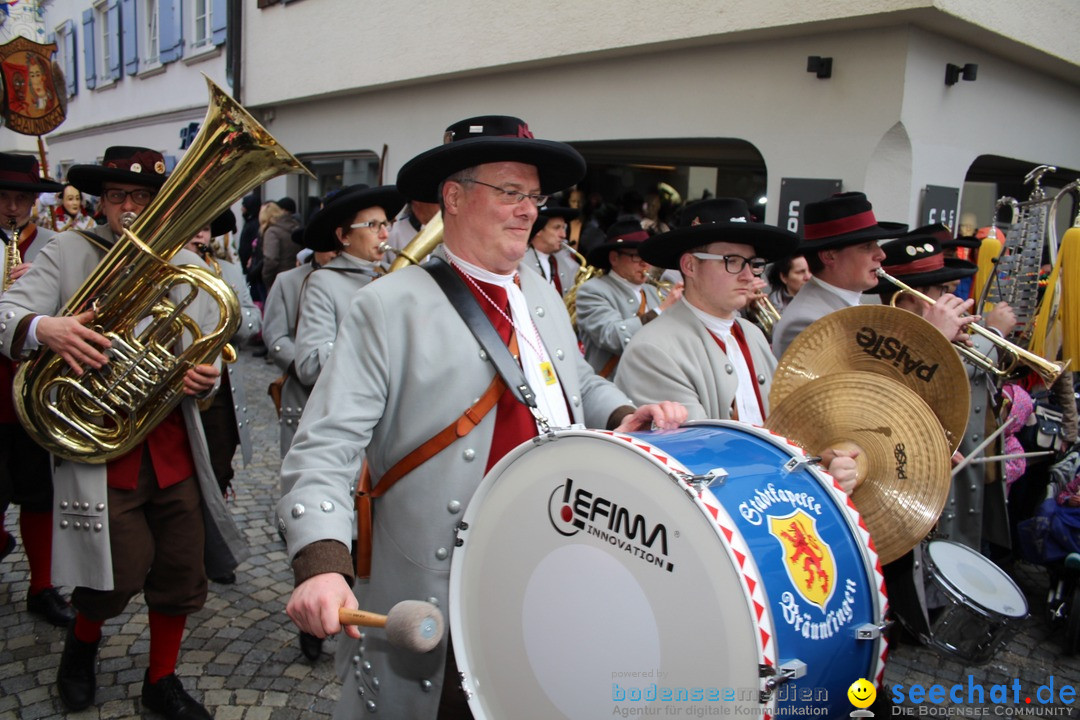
x=616 y=418
x=322 y=556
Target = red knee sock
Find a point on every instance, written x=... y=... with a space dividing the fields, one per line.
x=36 y=530
x=166 y=631
x=87 y=630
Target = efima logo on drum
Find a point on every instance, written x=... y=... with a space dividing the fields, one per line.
x=1005 y=699
x=574 y=509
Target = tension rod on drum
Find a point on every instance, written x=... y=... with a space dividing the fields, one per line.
x=788 y=671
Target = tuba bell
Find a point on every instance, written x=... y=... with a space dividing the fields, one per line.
x=102 y=414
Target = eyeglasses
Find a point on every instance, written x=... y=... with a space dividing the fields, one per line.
x=632 y=257
x=512 y=197
x=734 y=264
x=139 y=197
x=377 y=225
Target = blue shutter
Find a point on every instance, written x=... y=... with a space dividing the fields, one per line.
x=71 y=63
x=219 y=20
x=90 y=61
x=112 y=17
x=130 y=37
x=171 y=30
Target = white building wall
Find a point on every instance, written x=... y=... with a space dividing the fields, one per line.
x=885 y=122
x=338 y=44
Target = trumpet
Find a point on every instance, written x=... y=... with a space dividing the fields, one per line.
x=765 y=313
x=1015 y=355
x=663 y=287
x=12 y=259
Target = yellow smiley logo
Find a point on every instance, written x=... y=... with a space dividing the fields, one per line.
x=862 y=693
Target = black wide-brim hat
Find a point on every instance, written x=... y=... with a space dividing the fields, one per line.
x=621 y=235
x=965 y=241
x=717 y=220
x=122 y=164
x=319 y=235
x=223 y=223
x=23 y=174
x=549 y=212
x=842 y=220
x=918 y=259
x=489 y=139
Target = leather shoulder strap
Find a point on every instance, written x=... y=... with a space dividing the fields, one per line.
x=470 y=311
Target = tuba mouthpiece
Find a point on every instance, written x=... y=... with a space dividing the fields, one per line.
x=126 y=219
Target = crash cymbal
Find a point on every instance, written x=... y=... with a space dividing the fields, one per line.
x=904 y=460
x=895 y=343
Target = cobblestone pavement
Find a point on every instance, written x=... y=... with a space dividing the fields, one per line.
x=241 y=657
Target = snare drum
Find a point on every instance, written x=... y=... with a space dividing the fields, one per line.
x=983 y=604
x=711 y=565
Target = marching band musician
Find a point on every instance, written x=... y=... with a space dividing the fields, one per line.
x=614 y=306
x=225 y=420
x=975 y=511
x=152 y=502
x=354 y=223
x=840 y=243
x=279 y=330
x=700 y=352
x=546 y=254
x=25 y=476
x=404 y=365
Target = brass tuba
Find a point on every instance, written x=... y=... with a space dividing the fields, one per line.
x=102 y=414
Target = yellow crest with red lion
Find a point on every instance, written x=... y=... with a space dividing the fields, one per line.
x=808 y=559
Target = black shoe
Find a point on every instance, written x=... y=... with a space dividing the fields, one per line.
x=168 y=697
x=229 y=579
x=75 y=679
x=52 y=606
x=311 y=646
x=8 y=546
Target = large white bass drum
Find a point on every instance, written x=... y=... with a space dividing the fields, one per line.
x=710 y=569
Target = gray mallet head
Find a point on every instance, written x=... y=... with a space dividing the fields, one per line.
x=414 y=625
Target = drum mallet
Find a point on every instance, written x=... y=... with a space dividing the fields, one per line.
x=412 y=625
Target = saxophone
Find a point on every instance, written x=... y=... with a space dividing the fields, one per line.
x=102 y=414
x=12 y=259
x=584 y=273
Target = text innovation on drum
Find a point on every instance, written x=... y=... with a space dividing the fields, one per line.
x=573 y=510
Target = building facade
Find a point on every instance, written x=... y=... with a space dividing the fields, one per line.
x=928 y=106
